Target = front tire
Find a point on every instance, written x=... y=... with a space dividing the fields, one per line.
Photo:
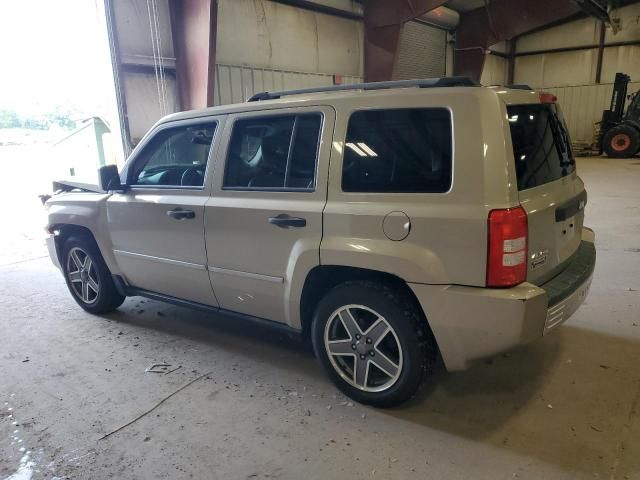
x=372 y=342
x=88 y=277
x=622 y=141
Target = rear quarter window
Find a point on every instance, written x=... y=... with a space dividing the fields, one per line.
x=398 y=150
x=541 y=144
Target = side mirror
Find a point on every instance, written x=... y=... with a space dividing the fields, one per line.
x=110 y=179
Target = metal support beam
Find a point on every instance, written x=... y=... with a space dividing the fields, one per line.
x=502 y=20
x=511 y=65
x=600 y=52
x=116 y=65
x=383 y=20
x=194 y=29
x=627 y=43
x=317 y=7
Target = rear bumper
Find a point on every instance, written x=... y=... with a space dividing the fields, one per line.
x=566 y=291
x=470 y=323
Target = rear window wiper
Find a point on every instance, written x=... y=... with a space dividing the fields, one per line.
x=561 y=139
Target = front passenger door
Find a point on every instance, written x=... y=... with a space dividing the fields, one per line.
x=157 y=226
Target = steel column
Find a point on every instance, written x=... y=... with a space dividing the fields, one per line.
x=600 y=52
x=194 y=29
x=511 y=66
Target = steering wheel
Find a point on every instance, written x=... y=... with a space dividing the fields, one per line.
x=192 y=176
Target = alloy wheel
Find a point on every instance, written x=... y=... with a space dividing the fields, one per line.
x=363 y=348
x=83 y=276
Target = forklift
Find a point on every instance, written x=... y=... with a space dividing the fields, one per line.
x=619 y=131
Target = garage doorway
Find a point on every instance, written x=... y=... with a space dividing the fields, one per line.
x=57 y=106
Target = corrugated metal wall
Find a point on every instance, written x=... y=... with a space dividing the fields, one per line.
x=234 y=84
x=421 y=52
x=571 y=75
x=264 y=45
x=146 y=64
x=579 y=67
x=583 y=105
x=494 y=71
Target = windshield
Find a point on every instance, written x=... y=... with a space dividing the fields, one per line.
x=541 y=144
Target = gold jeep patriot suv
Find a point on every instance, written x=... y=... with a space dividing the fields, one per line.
x=390 y=223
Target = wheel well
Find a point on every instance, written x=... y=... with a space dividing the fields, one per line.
x=64 y=231
x=632 y=123
x=323 y=278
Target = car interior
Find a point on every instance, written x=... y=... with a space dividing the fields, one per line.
x=273 y=153
x=176 y=157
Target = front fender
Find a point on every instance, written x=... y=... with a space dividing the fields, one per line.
x=85 y=210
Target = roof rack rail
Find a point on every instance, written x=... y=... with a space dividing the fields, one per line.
x=420 y=83
x=519 y=86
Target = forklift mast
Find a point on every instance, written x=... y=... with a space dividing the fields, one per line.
x=614 y=115
x=619 y=96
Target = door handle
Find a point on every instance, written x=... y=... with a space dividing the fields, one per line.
x=180 y=214
x=285 y=221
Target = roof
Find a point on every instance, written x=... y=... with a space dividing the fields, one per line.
x=306 y=97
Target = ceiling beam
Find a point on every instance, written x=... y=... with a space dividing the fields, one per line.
x=502 y=20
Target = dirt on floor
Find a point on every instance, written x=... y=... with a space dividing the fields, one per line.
x=224 y=400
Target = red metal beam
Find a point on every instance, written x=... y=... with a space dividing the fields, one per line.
x=383 y=20
x=194 y=29
x=502 y=20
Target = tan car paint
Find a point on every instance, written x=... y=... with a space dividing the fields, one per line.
x=553 y=242
x=83 y=210
x=155 y=251
x=259 y=269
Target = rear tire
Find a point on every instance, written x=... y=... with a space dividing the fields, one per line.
x=622 y=141
x=381 y=356
x=88 y=277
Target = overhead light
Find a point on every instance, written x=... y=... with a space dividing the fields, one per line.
x=514 y=118
x=356 y=149
x=366 y=148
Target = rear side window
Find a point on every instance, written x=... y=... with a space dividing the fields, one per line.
x=541 y=144
x=400 y=150
x=273 y=153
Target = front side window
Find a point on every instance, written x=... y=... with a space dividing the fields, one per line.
x=398 y=150
x=273 y=152
x=174 y=157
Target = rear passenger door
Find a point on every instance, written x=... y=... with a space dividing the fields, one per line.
x=264 y=220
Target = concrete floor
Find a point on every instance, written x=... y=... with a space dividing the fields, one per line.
x=563 y=407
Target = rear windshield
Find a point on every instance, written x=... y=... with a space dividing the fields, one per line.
x=541 y=144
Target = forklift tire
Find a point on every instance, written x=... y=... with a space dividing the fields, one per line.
x=622 y=141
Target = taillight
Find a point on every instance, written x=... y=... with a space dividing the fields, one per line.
x=546 y=97
x=507 y=251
